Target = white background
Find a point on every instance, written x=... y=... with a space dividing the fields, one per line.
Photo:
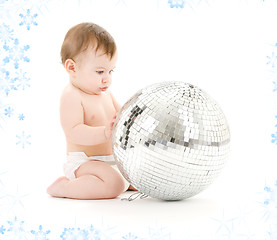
x=220 y=46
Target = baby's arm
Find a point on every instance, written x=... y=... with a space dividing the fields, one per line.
x=72 y=121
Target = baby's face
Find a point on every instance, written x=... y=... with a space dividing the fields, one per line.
x=94 y=71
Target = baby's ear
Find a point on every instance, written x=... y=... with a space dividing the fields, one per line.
x=70 y=66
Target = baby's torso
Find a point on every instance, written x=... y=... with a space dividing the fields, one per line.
x=99 y=110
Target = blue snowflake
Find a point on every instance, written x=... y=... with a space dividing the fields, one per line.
x=233 y=234
x=23 y=139
x=6 y=83
x=9 y=111
x=28 y=19
x=12 y=7
x=16 y=199
x=2 y=229
x=6 y=35
x=275 y=86
x=40 y=235
x=276 y=118
x=224 y=224
x=74 y=234
x=93 y=233
x=271 y=195
x=270 y=202
x=21 y=117
x=2 y=9
x=158 y=233
x=273 y=231
x=38 y=6
x=16 y=53
x=272 y=60
x=16 y=228
x=130 y=236
x=176 y=3
x=2 y=113
x=274 y=137
x=21 y=81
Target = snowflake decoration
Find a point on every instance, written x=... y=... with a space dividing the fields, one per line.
x=74 y=234
x=271 y=196
x=2 y=112
x=272 y=60
x=16 y=199
x=3 y=11
x=11 y=7
x=6 y=83
x=21 y=81
x=274 y=138
x=176 y=3
x=40 y=235
x=28 y=19
x=232 y=234
x=93 y=233
x=6 y=35
x=276 y=119
x=105 y=231
x=2 y=229
x=223 y=223
x=130 y=236
x=36 y=5
x=158 y=233
x=23 y=139
x=270 y=202
x=21 y=117
x=16 y=228
x=9 y=111
x=275 y=86
x=16 y=53
x=273 y=232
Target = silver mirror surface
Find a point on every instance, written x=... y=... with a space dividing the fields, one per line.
x=171 y=140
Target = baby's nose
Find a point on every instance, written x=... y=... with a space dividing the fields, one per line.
x=106 y=78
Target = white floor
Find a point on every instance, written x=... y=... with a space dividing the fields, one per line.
x=228 y=209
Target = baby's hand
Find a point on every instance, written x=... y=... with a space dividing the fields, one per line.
x=109 y=128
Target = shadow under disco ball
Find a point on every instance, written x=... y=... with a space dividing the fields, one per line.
x=171 y=140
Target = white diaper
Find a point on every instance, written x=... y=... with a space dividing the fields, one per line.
x=76 y=159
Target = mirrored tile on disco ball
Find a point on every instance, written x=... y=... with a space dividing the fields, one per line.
x=171 y=140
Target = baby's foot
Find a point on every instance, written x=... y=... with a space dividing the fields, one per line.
x=55 y=189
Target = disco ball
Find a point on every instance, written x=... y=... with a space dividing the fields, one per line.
x=171 y=140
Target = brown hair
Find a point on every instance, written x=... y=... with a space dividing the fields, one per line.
x=80 y=37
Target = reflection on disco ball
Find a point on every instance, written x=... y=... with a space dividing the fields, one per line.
x=171 y=140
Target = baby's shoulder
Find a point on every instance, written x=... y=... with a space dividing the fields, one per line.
x=70 y=91
x=70 y=95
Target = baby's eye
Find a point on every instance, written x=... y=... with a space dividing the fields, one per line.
x=100 y=72
x=110 y=71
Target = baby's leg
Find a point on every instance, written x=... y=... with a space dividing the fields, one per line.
x=94 y=180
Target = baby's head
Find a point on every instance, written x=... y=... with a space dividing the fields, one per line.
x=89 y=56
x=83 y=36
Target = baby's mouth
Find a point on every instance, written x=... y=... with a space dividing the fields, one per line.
x=103 y=89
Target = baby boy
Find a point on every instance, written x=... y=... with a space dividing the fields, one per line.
x=87 y=112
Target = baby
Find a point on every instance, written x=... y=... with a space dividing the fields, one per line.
x=87 y=112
